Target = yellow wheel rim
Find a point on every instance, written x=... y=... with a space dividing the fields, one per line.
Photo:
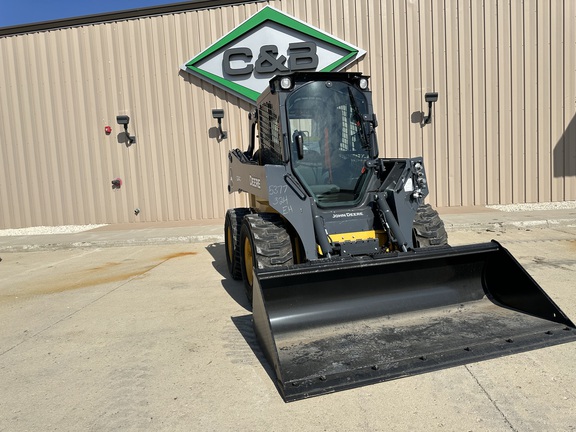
x=248 y=261
x=230 y=244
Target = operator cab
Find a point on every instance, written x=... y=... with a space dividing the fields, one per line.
x=329 y=142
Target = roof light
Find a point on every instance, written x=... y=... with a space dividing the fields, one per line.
x=285 y=83
x=363 y=83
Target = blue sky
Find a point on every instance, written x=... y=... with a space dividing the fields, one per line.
x=15 y=12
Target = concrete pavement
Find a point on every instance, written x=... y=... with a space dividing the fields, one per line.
x=155 y=336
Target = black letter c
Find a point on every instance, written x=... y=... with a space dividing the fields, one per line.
x=228 y=58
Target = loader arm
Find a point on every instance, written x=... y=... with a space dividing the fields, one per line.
x=275 y=186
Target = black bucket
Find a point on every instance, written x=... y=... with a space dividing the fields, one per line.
x=330 y=326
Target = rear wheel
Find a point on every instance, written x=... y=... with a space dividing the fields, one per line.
x=264 y=243
x=232 y=226
x=428 y=228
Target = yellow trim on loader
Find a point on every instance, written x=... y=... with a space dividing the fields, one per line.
x=359 y=235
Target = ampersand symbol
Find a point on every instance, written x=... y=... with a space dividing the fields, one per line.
x=268 y=62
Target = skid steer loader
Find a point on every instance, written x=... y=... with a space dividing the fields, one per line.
x=349 y=272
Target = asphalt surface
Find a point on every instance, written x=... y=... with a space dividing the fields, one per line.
x=139 y=327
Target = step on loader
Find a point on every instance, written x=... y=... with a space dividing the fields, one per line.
x=349 y=272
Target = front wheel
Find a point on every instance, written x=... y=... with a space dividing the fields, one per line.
x=428 y=228
x=264 y=243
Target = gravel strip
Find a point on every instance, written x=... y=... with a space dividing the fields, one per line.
x=535 y=206
x=46 y=230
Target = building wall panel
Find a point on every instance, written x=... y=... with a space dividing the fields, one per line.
x=544 y=108
x=557 y=100
x=478 y=116
x=503 y=131
x=570 y=97
x=530 y=108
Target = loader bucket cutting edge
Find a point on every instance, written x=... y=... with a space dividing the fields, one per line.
x=330 y=326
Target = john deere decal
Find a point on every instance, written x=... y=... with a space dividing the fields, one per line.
x=267 y=44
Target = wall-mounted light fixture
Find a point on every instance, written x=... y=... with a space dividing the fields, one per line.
x=125 y=120
x=219 y=114
x=430 y=98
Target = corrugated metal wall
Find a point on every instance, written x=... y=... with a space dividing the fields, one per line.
x=504 y=126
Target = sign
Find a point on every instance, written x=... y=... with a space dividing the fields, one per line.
x=267 y=44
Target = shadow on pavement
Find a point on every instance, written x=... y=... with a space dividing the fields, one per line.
x=235 y=289
x=244 y=325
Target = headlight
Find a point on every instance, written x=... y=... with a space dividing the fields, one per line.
x=285 y=83
x=363 y=83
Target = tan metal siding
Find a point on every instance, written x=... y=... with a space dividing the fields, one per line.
x=478 y=104
x=492 y=122
x=543 y=111
x=570 y=98
x=439 y=184
x=504 y=125
x=557 y=99
x=530 y=106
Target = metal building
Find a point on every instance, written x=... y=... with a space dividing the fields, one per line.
x=504 y=128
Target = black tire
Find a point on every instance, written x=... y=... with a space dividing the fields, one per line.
x=264 y=243
x=232 y=227
x=429 y=229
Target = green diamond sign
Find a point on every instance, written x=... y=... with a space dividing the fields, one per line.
x=267 y=44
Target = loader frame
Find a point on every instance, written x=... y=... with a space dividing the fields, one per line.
x=351 y=278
